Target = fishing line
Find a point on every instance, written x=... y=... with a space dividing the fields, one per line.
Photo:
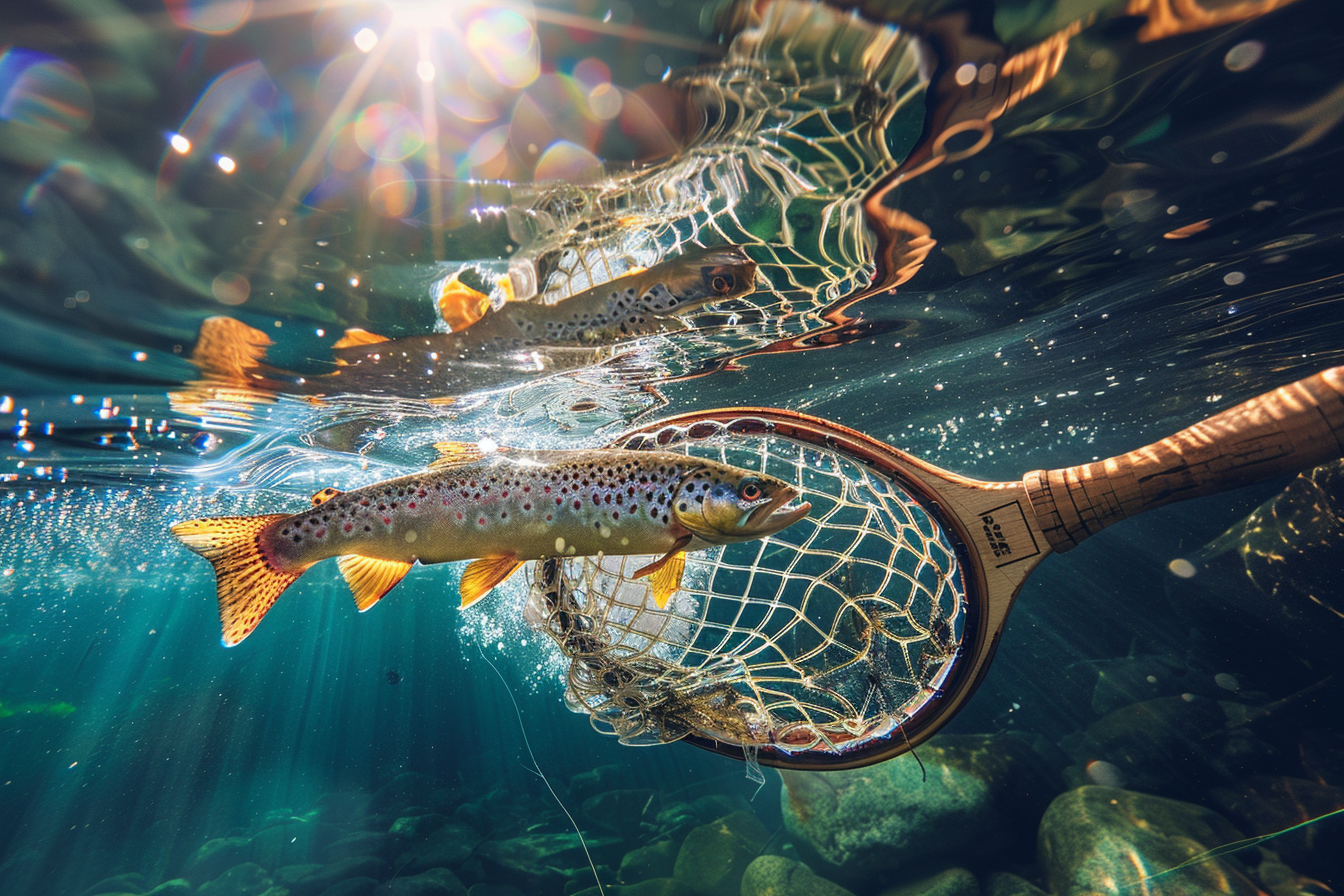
x=1235 y=846
x=536 y=767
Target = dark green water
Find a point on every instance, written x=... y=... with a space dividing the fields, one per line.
x=1150 y=233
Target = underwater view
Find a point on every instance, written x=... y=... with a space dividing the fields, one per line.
x=620 y=447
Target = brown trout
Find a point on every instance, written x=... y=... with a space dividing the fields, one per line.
x=498 y=509
x=519 y=342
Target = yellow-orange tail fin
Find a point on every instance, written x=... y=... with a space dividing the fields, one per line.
x=246 y=581
x=229 y=354
x=228 y=349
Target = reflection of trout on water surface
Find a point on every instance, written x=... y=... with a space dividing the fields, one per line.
x=519 y=342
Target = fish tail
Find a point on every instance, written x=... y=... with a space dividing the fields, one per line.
x=229 y=349
x=231 y=358
x=248 y=582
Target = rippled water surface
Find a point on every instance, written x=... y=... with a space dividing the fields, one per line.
x=1000 y=237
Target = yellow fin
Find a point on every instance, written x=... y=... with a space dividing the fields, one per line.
x=460 y=306
x=228 y=349
x=662 y=561
x=325 y=495
x=453 y=453
x=246 y=582
x=370 y=578
x=483 y=574
x=355 y=336
x=667 y=579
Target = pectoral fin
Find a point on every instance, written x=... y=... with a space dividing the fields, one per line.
x=483 y=574
x=667 y=580
x=370 y=578
x=666 y=571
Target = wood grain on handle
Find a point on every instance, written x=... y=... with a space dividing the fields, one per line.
x=1290 y=429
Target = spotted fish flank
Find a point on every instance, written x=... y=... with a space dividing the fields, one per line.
x=500 y=510
x=518 y=342
x=637 y=304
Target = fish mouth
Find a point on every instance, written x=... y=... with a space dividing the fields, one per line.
x=774 y=516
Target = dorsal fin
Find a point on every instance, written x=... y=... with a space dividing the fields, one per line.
x=355 y=336
x=453 y=453
x=325 y=495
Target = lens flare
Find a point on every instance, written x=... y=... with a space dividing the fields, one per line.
x=505 y=45
x=240 y=120
x=209 y=16
x=389 y=132
x=563 y=160
x=43 y=92
x=392 y=191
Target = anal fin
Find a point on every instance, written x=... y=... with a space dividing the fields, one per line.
x=370 y=578
x=483 y=574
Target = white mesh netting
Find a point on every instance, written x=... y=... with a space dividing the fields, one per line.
x=822 y=637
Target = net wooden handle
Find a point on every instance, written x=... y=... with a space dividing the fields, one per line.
x=1292 y=428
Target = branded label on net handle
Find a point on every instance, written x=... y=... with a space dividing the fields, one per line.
x=1004 y=533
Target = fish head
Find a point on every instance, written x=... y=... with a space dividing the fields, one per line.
x=701 y=276
x=720 y=503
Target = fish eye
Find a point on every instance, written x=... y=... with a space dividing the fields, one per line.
x=749 y=490
x=722 y=283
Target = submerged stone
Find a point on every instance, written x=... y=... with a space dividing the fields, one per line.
x=446 y=846
x=216 y=857
x=540 y=863
x=952 y=882
x=247 y=879
x=324 y=876
x=714 y=856
x=282 y=844
x=415 y=827
x=365 y=843
x=1001 y=883
x=291 y=874
x=175 y=887
x=1155 y=744
x=618 y=811
x=654 y=886
x=130 y=882
x=494 y=890
x=1102 y=834
x=436 y=882
x=402 y=791
x=778 y=876
x=352 y=886
x=604 y=777
x=888 y=823
x=1265 y=804
x=344 y=807
x=646 y=862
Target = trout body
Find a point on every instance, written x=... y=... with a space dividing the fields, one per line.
x=500 y=509
x=519 y=342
